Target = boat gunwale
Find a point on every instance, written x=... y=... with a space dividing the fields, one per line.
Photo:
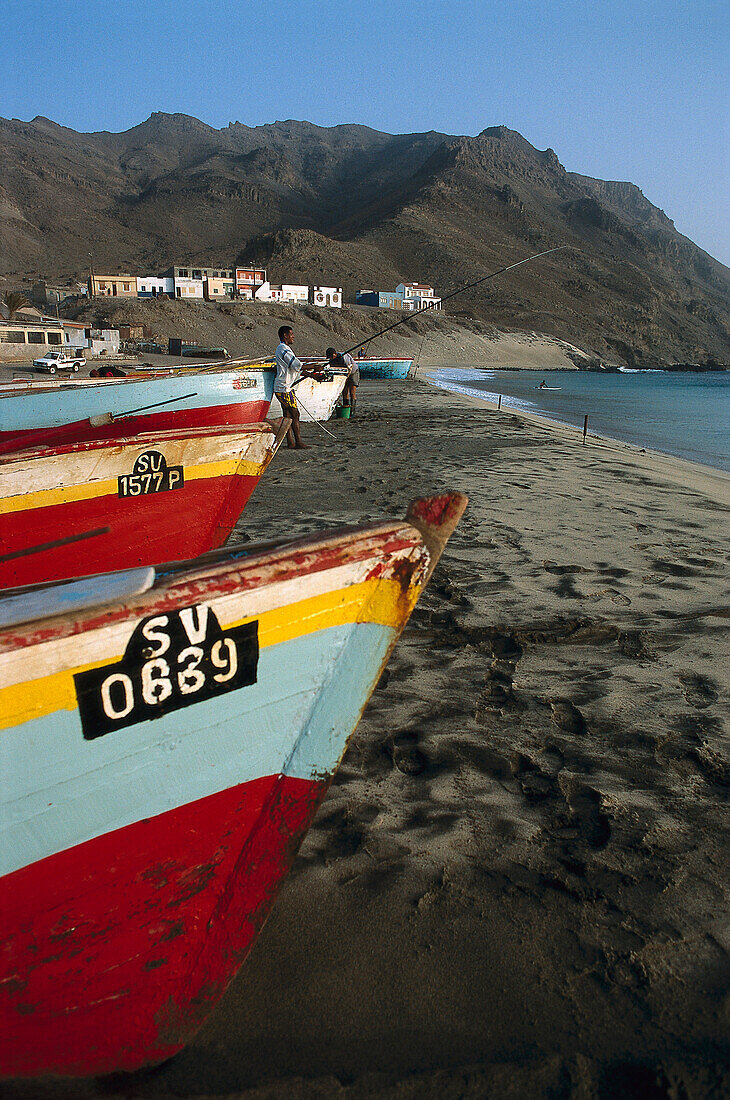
x=270 y=564
x=24 y=386
x=139 y=438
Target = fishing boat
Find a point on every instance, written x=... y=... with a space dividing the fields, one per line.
x=384 y=368
x=91 y=408
x=167 y=739
x=100 y=506
x=316 y=398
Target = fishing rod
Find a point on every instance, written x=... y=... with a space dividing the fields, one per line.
x=477 y=282
x=53 y=545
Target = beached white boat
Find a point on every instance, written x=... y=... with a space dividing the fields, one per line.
x=316 y=400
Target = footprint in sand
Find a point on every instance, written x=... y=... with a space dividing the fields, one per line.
x=567 y=717
x=404 y=752
x=699 y=691
x=584 y=803
x=554 y=567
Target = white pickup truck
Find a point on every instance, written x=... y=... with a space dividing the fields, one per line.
x=58 y=360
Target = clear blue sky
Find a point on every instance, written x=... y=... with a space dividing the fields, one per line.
x=621 y=90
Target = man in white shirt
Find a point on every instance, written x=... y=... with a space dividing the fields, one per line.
x=288 y=372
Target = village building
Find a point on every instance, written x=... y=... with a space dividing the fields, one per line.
x=130 y=332
x=418 y=296
x=296 y=293
x=216 y=289
x=76 y=336
x=104 y=341
x=25 y=339
x=152 y=286
x=248 y=280
x=112 y=286
x=327 y=296
x=188 y=288
x=381 y=299
x=189 y=271
x=50 y=296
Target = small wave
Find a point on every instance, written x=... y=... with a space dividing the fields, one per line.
x=480 y=394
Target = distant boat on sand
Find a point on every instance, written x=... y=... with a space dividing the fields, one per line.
x=384 y=368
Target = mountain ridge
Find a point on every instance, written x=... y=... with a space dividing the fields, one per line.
x=374 y=207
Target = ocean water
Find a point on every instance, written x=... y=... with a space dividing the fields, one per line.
x=683 y=413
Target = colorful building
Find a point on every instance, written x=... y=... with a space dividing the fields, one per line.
x=248 y=280
x=190 y=271
x=216 y=289
x=112 y=286
x=381 y=299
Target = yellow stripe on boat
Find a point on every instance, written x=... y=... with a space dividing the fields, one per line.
x=46 y=498
x=381 y=601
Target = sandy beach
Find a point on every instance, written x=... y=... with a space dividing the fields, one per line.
x=518 y=883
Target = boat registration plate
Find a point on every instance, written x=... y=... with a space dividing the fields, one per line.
x=171 y=660
x=150 y=474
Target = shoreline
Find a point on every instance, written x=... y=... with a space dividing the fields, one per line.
x=541 y=418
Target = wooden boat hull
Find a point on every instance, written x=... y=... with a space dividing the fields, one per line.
x=61 y=413
x=384 y=368
x=165 y=756
x=100 y=506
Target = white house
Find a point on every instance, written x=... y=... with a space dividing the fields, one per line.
x=293 y=292
x=104 y=341
x=418 y=296
x=76 y=335
x=188 y=289
x=151 y=286
x=327 y=296
x=262 y=293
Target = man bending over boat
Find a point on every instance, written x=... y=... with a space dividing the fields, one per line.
x=345 y=361
x=289 y=371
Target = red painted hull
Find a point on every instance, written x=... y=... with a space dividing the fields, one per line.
x=237 y=414
x=143 y=530
x=99 y=941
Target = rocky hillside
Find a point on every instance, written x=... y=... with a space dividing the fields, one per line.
x=360 y=208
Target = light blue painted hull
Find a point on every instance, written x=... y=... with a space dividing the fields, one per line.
x=294 y=721
x=71 y=402
x=384 y=368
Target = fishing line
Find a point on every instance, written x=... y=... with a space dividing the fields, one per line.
x=317 y=422
x=477 y=282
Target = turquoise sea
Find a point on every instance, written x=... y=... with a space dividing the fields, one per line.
x=683 y=413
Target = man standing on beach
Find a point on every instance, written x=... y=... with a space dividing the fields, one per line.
x=346 y=362
x=288 y=372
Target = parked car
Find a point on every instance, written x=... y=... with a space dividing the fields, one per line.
x=58 y=360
